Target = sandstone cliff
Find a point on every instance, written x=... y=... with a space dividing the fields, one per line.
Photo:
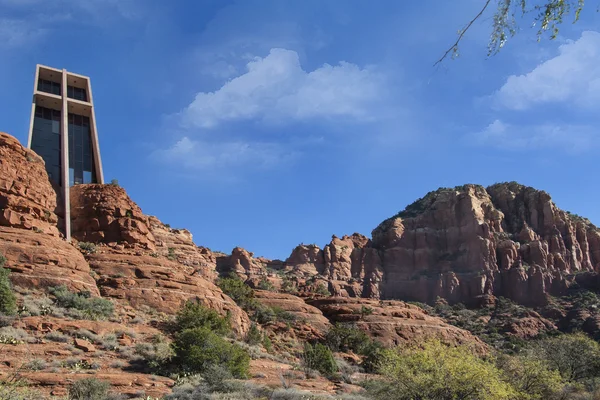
x=462 y=244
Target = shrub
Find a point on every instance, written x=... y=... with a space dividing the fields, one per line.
x=344 y=337
x=87 y=247
x=575 y=356
x=8 y=301
x=322 y=290
x=532 y=379
x=197 y=349
x=36 y=364
x=39 y=305
x=241 y=293
x=253 y=336
x=155 y=354
x=435 y=371
x=372 y=356
x=115 y=182
x=10 y=335
x=89 y=307
x=195 y=315
x=265 y=284
x=171 y=254
x=319 y=358
x=263 y=314
x=283 y=315
x=56 y=336
x=89 y=389
x=288 y=286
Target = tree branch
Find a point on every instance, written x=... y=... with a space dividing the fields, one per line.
x=462 y=33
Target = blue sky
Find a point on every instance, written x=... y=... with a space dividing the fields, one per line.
x=265 y=124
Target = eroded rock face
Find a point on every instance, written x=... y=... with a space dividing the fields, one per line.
x=178 y=245
x=27 y=199
x=465 y=244
x=40 y=261
x=154 y=281
x=393 y=322
x=105 y=214
x=507 y=240
x=310 y=321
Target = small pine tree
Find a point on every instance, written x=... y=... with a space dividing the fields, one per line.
x=319 y=358
x=8 y=301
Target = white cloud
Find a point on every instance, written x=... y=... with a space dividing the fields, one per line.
x=17 y=33
x=573 y=76
x=570 y=138
x=277 y=88
x=212 y=156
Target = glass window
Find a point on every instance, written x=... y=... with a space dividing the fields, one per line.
x=45 y=140
x=87 y=177
x=71 y=176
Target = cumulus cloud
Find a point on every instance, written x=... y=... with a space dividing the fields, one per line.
x=277 y=88
x=572 y=76
x=571 y=138
x=203 y=155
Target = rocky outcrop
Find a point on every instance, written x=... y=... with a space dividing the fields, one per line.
x=310 y=321
x=39 y=261
x=393 y=322
x=105 y=214
x=350 y=265
x=465 y=244
x=178 y=245
x=27 y=199
x=145 y=280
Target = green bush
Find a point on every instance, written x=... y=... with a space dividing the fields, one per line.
x=89 y=248
x=283 y=315
x=155 y=354
x=263 y=314
x=195 y=315
x=575 y=356
x=532 y=379
x=265 y=284
x=322 y=290
x=89 y=307
x=8 y=301
x=372 y=356
x=344 y=337
x=198 y=349
x=434 y=371
x=89 y=389
x=241 y=293
x=254 y=335
x=319 y=358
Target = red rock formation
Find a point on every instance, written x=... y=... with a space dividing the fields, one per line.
x=105 y=214
x=462 y=243
x=393 y=322
x=178 y=245
x=27 y=199
x=310 y=320
x=465 y=244
x=29 y=237
x=38 y=261
x=142 y=279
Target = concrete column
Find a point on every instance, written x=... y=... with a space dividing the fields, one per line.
x=35 y=83
x=94 y=135
x=64 y=135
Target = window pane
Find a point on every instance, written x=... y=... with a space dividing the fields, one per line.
x=87 y=177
